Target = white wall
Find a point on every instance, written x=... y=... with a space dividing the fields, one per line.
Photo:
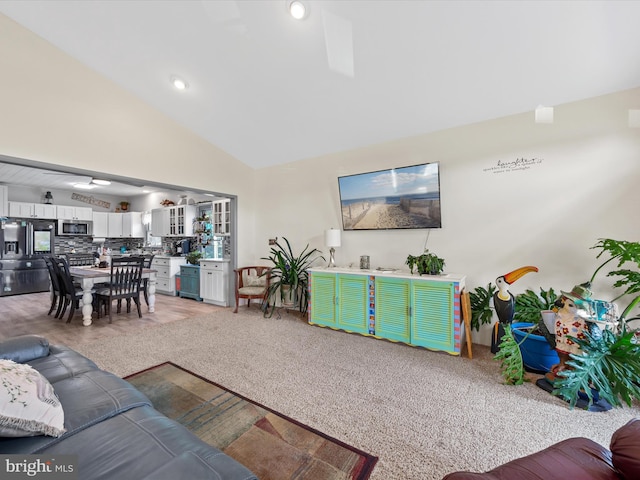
x=582 y=186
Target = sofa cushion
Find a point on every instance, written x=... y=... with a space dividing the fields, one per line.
x=625 y=449
x=142 y=443
x=61 y=363
x=87 y=399
x=28 y=404
x=23 y=348
x=579 y=458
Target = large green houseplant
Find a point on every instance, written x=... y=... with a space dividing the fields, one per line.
x=288 y=276
x=610 y=361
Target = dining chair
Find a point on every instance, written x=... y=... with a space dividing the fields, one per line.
x=57 y=297
x=124 y=284
x=71 y=293
x=145 y=281
x=251 y=283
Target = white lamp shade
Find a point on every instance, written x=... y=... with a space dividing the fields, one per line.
x=332 y=238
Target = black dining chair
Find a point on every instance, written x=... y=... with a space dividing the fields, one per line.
x=57 y=296
x=126 y=275
x=71 y=293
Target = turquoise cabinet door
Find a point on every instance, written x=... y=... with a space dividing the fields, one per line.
x=322 y=301
x=392 y=309
x=353 y=303
x=432 y=307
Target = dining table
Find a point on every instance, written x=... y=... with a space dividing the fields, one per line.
x=87 y=277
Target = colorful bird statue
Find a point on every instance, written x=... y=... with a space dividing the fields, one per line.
x=505 y=303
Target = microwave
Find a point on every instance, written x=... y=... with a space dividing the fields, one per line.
x=74 y=227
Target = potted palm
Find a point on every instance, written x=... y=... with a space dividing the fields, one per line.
x=288 y=276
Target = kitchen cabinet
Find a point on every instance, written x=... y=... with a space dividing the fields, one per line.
x=100 y=224
x=221 y=220
x=417 y=310
x=160 y=222
x=167 y=268
x=190 y=281
x=214 y=282
x=4 y=201
x=132 y=226
x=114 y=225
x=73 y=213
x=174 y=221
x=32 y=210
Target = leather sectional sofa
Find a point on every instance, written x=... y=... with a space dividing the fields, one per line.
x=111 y=427
x=574 y=458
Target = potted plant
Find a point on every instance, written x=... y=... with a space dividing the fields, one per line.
x=288 y=276
x=609 y=359
x=193 y=258
x=426 y=263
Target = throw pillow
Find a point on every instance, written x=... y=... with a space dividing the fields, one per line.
x=255 y=281
x=28 y=404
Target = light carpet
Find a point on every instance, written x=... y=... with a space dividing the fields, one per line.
x=423 y=413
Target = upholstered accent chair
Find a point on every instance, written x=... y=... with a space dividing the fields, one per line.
x=251 y=283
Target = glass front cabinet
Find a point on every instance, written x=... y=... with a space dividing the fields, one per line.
x=417 y=310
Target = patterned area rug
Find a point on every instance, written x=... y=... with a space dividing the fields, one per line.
x=273 y=446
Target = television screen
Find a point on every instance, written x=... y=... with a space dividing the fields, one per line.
x=406 y=197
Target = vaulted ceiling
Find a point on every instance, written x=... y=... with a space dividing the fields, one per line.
x=269 y=89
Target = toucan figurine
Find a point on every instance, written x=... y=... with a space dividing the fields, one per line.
x=505 y=303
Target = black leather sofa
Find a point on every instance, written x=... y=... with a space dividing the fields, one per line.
x=112 y=427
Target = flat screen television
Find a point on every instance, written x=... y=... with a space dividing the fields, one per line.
x=397 y=198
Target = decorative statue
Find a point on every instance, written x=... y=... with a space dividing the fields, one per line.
x=571 y=322
x=505 y=304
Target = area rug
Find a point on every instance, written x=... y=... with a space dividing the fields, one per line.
x=272 y=445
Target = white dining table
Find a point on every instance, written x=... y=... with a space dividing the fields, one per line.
x=87 y=277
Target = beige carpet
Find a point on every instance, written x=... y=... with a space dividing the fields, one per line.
x=423 y=413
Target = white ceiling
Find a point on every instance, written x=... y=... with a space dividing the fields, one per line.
x=262 y=88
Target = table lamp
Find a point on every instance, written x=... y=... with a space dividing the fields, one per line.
x=332 y=239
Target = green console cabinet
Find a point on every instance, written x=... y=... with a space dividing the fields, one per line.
x=190 y=281
x=398 y=306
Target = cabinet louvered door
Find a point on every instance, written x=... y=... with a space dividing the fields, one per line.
x=322 y=302
x=353 y=303
x=392 y=309
x=432 y=308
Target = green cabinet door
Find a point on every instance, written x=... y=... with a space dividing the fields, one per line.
x=432 y=305
x=392 y=309
x=323 y=296
x=353 y=303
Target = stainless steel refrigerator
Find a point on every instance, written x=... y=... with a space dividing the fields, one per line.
x=23 y=244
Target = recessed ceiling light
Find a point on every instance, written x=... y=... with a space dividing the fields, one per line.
x=98 y=181
x=297 y=9
x=179 y=83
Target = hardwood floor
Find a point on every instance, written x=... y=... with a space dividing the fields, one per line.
x=27 y=314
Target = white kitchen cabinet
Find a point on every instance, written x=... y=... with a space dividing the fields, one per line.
x=101 y=224
x=4 y=201
x=160 y=222
x=214 y=281
x=32 y=210
x=132 y=225
x=167 y=269
x=114 y=222
x=73 y=213
x=221 y=217
x=176 y=221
